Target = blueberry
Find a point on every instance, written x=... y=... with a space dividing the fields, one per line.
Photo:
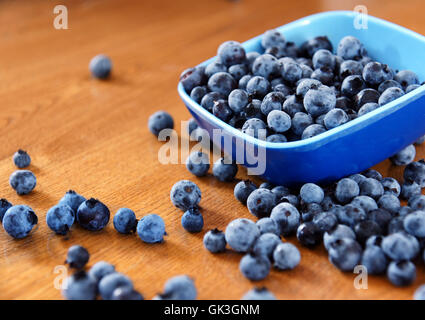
x=279 y=121
x=101 y=269
x=400 y=246
x=80 y=286
x=311 y=46
x=388 y=84
x=389 y=95
x=414 y=224
x=276 y=138
x=151 y=229
x=405 y=156
x=250 y=58
x=341 y=231
x=291 y=199
x=324 y=74
x=306 y=84
x=409 y=190
x=72 y=199
x=237 y=71
x=19 y=220
x=238 y=100
x=390 y=203
x=291 y=72
x=272 y=101
x=185 y=194
x=391 y=186
x=180 y=288
x=267 y=225
x=372 y=188
x=365 y=229
x=345 y=254
x=374 y=73
x=258 y=86
x=22 y=181
x=225 y=170
x=308 y=234
x=126 y=293
x=293 y=105
x=125 y=221
x=260 y=202
x=77 y=257
x=325 y=221
x=215 y=241
x=310 y=210
x=346 y=190
x=241 y=234
x=198 y=93
x=267 y=185
x=222 y=82
x=300 y=122
x=253 y=110
x=323 y=58
x=254 y=267
x=286 y=217
x=412 y=87
x=60 y=218
x=159 y=121
x=243 y=82
x=265 y=66
x=311 y=192
x=405 y=210
x=401 y=273
x=255 y=128
x=286 y=256
x=4 y=206
x=365 y=202
x=396 y=225
x=209 y=99
x=415 y=172
x=319 y=101
x=406 y=78
x=93 y=215
x=352 y=85
x=374 y=241
x=312 y=131
x=231 y=52
x=350 y=215
x=112 y=281
x=381 y=216
x=265 y=245
x=272 y=38
x=100 y=66
x=419 y=293
x=350 y=68
x=350 y=48
x=357 y=177
x=192 y=220
x=367 y=107
x=374 y=260
x=198 y=163
x=365 y=96
x=215 y=67
x=306 y=71
x=222 y=110
x=328 y=203
x=370 y=173
x=305 y=61
x=21 y=159
x=243 y=189
x=259 y=294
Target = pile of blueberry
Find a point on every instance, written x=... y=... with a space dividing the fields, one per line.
x=102 y=279
x=288 y=93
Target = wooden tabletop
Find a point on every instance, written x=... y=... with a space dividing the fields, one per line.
x=92 y=136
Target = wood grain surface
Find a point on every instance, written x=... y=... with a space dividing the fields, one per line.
x=92 y=136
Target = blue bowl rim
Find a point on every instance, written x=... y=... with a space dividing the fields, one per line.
x=328 y=135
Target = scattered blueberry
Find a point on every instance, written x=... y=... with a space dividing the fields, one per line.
x=414 y=224
x=243 y=189
x=100 y=66
x=374 y=260
x=180 y=288
x=4 y=205
x=346 y=190
x=260 y=294
x=19 y=220
x=260 y=202
x=311 y=192
x=151 y=229
x=101 y=269
x=72 y=199
x=241 y=234
x=60 y=218
x=125 y=221
x=112 y=281
x=286 y=217
x=80 y=286
x=77 y=257
x=345 y=254
x=255 y=267
x=93 y=215
x=185 y=194
x=286 y=256
x=400 y=246
x=198 y=163
x=214 y=241
x=267 y=225
x=159 y=121
x=224 y=169
x=22 y=181
x=192 y=77
x=401 y=273
x=192 y=220
x=21 y=159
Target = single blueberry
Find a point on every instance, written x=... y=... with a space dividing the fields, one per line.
x=22 y=181
x=209 y=100
x=241 y=234
x=93 y=215
x=312 y=131
x=185 y=195
x=4 y=205
x=401 y=273
x=412 y=87
x=276 y=138
x=390 y=203
x=311 y=192
x=319 y=101
x=60 y=218
x=400 y=246
x=293 y=105
x=225 y=170
x=350 y=68
x=262 y=294
x=365 y=229
x=100 y=66
x=291 y=72
x=255 y=267
x=415 y=172
x=345 y=254
x=352 y=85
x=414 y=224
x=372 y=188
x=405 y=156
x=365 y=202
x=125 y=221
x=350 y=48
x=77 y=257
x=222 y=82
x=346 y=190
x=21 y=159
x=72 y=199
x=389 y=95
x=323 y=58
x=272 y=38
x=231 y=52
x=80 y=286
x=388 y=84
x=351 y=215
x=151 y=229
x=374 y=260
x=180 y=288
x=237 y=71
x=222 y=110
x=310 y=47
x=365 y=96
x=367 y=107
x=374 y=73
x=272 y=101
x=159 y=121
x=238 y=100
x=406 y=78
x=409 y=190
x=325 y=221
x=300 y=122
x=381 y=216
x=341 y=231
x=391 y=186
x=198 y=93
x=287 y=218
x=265 y=245
x=19 y=220
x=243 y=189
x=198 y=163
x=325 y=75
x=112 y=281
x=258 y=86
x=286 y=256
x=214 y=67
x=308 y=234
x=265 y=66
x=101 y=269
x=267 y=225
x=215 y=241
x=192 y=220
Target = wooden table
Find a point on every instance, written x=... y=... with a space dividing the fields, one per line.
x=92 y=136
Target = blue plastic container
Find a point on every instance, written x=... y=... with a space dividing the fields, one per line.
x=356 y=145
